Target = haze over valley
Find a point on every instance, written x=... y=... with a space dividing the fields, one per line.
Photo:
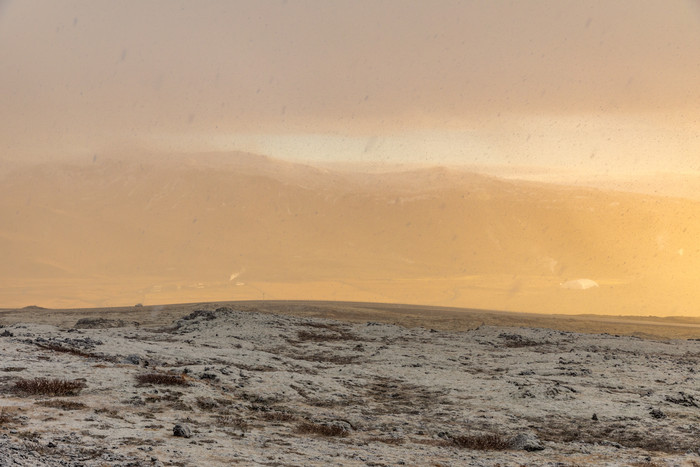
x=161 y=228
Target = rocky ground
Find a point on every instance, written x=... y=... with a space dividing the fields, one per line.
x=222 y=386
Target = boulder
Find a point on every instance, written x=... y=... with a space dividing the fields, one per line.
x=526 y=442
x=182 y=431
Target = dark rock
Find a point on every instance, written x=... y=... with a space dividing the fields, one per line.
x=182 y=431
x=594 y=417
x=657 y=413
x=132 y=359
x=6 y=333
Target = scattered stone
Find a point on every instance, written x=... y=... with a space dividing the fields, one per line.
x=657 y=413
x=182 y=431
x=6 y=333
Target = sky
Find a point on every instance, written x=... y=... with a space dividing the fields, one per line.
x=598 y=86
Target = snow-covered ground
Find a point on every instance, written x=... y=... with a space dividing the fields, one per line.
x=268 y=389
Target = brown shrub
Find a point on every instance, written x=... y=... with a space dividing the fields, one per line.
x=321 y=429
x=164 y=379
x=49 y=387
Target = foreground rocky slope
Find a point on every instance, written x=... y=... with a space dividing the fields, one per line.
x=223 y=386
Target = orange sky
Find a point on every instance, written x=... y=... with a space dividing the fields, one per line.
x=605 y=86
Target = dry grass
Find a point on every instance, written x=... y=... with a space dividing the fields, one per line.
x=230 y=421
x=328 y=358
x=73 y=351
x=279 y=417
x=111 y=413
x=262 y=368
x=7 y=418
x=163 y=379
x=29 y=435
x=486 y=442
x=387 y=440
x=49 y=387
x=322 y=429
x=207 y=404
x=334 y=335
x=62 y=404
x=518 y=341
x=626 y=433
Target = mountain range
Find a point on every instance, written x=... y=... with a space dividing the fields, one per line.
x=158 y=228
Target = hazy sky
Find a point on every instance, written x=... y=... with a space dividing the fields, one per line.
x=598 y=85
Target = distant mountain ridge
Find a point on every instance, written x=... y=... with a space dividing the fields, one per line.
x=207 y=218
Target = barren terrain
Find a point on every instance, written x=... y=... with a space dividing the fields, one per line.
x=280 y=383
